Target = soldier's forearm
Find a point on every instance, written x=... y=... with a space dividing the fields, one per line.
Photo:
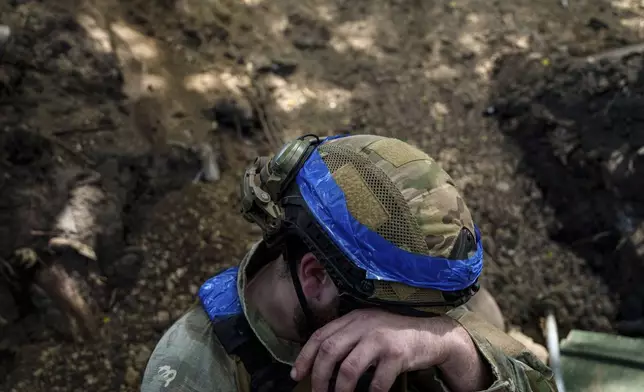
x=464 y=368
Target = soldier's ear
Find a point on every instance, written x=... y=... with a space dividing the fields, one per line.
x=313 y=276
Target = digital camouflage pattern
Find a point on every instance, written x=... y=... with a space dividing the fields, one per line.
x=190 y=358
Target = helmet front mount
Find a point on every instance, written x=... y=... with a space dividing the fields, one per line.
x=266 y=179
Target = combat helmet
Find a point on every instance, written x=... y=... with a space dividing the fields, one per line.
x=384 y=218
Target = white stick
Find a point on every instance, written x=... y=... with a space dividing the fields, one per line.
x=553 y=350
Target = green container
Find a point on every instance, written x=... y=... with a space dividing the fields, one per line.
x=600 y=362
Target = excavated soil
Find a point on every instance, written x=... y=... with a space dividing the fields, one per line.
x=545 y=142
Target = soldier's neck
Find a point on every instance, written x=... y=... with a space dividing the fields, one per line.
x=273 y=296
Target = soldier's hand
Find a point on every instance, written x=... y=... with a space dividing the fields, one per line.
x=392 y=343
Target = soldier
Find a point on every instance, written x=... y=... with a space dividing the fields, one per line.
x=368 y=256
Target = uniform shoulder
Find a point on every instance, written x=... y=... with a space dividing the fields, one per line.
x=189 y=357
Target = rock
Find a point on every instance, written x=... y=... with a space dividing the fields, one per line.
x=142 y=356
x=311 y=42
x=502 y=186
x=90 y=379
x=162 y=318
x=5 y=34
x=260 y=63
x=489 y=245
x=307 y=33
x=597 y=24
x=209 y=163
x=192 y=38
x=490 y=111
x=131 y=376
x=163 y=265
x=232 y=113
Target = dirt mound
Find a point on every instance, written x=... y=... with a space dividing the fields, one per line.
x=582 y=140
x=69 y=119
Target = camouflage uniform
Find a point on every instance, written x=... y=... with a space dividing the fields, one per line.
x=190 y=357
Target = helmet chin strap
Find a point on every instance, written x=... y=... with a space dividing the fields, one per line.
x=346 y=303
x=304 y=304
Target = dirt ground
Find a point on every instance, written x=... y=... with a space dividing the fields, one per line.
x=522 y=102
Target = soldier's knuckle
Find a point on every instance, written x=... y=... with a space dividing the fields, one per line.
x=395 y=351
x=377 y=386
x=349 y=369
x=329 y=347
x=317 y=336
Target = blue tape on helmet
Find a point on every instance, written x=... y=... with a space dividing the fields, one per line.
x=219 y=296
x=368 y=250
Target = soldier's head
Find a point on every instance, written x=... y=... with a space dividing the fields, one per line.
x=365 y=221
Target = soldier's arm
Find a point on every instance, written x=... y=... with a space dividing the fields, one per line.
x=513 y=367
x=189 y=358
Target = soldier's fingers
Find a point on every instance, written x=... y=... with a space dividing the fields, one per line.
x=385 y=375
x=355 y=364
x=307 y=355
x=332 y=352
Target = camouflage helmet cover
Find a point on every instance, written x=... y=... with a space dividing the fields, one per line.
x=393 y=194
